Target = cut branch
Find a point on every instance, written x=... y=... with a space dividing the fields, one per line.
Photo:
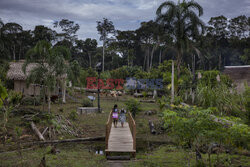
x=34 y=128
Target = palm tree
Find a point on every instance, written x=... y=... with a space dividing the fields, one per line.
x=183 y=22
x=51 y=66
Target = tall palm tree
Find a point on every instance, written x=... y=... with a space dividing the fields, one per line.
x=184 y=23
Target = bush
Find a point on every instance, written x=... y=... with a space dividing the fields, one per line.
x=144 y=93
x=90 y=72
x=221 y=97
x=246 y=99
x=87 y=103
x=73 y=115
x=133 y=106
x=61 y=109
x=105 y=75
x=31 y=101
x=120 y=73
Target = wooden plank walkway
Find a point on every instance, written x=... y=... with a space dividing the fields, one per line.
x=120 y=139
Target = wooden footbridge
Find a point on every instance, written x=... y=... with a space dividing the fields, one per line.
x=121 y=139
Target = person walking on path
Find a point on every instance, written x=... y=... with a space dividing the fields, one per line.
x=115 y=115
x=122 y=116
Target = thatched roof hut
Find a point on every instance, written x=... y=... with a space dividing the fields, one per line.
x=15 y=71
x=240 y=76
x=16 y=74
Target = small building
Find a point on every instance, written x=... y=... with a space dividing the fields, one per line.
x=240 y=76
x=16 y=74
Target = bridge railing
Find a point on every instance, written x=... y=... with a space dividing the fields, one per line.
x=132 y=127
x=108 y=129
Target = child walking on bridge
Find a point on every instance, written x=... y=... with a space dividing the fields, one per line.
x=115 y=115
x=122 y=116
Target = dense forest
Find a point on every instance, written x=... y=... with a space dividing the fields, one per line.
x=220 y=42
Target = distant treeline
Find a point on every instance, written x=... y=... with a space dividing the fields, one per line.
x=175 y=34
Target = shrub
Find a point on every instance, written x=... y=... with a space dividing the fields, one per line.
x=61 y=109
x=87 y=103
x=105 y=75
x=133 y=106
x=90 y=72
x=120 y=73
x=246 y=99
x=221 y=97
x=31 y=101
x=73 y=115
x=144 y=93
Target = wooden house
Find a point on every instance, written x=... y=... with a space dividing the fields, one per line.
x=240 y=76
x=16 y=74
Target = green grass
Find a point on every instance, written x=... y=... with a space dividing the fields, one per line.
x=150 y=150
x=172 y=156
x=75 y=155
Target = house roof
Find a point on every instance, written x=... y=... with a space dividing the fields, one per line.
x=15 y=71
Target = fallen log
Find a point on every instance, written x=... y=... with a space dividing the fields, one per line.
x=38 y=133
x=100 y=138
x=147 y=101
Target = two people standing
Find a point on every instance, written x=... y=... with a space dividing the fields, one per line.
x=118 y=115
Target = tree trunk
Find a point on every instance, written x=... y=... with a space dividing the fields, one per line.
x=20 y=50
x=128 y=60
x=220 y=61
x=14 y=52
x=178 y=62
x=144 y=62
x=152 y=56
x=103 y=52
x=160 y=57
x=193 y=67
x=44 y=97
x=64 y=91
x=148 y=59
x=89 y=60
x=172 y=81
x=49 y=101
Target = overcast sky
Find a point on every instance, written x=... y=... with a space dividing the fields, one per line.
x=125 y=14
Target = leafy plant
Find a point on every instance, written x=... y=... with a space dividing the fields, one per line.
x=18 y=131
x=73 y=115
x=220 y=96
x=8 y=101
x=31 y=101
x=133 y=106
x=195 y=128
x=246 y=102
x=87 y=103
x=144 y=93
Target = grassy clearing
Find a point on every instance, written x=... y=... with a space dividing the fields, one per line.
x=150 y=148
x=169 y=155
x=70 y=155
